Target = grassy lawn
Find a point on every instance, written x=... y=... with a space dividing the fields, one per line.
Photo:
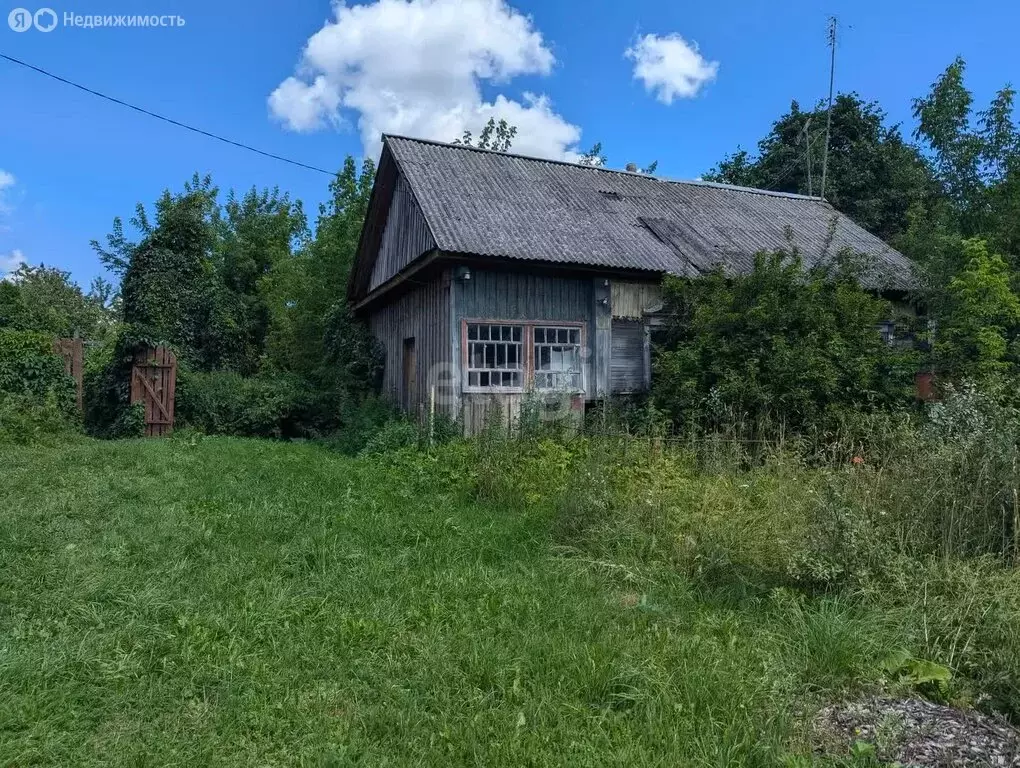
x=240 y=602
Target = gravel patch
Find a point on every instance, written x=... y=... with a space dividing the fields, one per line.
x=915 y=732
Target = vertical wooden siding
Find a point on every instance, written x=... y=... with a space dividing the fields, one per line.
x=511 y=295
x=524 y=296
x=633 y=300
x=501 y=295
x=423 y=313
x=405 y=238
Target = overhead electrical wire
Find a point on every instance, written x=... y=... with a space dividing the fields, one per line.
x=164 y=118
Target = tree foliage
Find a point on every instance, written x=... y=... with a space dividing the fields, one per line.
x=309 y=290
x=782 y=342
x=242 y=292
x=498 y=137
x=46 y=300
x=976 y=157
x=874 y=175
x=980 y=316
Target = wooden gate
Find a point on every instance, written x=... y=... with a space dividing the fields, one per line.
x=73 y=353
x=153 y=380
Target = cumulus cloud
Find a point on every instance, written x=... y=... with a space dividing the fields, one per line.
x=10 y=262
x=416 y=67
x=670 y=67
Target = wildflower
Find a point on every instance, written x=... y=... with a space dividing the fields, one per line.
x=856 y=460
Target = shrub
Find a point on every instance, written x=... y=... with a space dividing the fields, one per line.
x=37 y=397
x=26 y=420
x=276 y=405
x=782 y=341
x=359 y=422
x=107 y=386
x=979 y=315
x=30 y=368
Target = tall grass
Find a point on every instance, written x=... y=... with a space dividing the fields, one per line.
x=538 y=599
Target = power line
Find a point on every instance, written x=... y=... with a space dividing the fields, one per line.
x=164 y=118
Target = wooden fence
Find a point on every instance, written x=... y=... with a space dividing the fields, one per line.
x=73 y=353
x=153 y=382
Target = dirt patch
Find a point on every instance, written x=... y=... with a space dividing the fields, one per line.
x=915 y=732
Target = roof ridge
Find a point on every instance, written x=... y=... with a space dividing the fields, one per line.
x=534 y=158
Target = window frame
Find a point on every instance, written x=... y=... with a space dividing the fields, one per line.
x=528 y=349
x=467 y=370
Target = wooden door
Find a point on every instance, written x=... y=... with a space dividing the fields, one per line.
x=153 y=383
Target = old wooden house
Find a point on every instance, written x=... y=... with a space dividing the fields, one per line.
x=487 y=276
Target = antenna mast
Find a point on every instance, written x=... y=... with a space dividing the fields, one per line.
x=828 y=112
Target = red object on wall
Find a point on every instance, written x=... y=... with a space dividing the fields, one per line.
x=925 y=384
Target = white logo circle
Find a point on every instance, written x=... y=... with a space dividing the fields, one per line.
x=40 y=19
x=20 y=19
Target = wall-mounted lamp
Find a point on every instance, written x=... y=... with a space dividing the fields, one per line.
x=464 y=273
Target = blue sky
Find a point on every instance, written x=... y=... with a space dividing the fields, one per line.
x=70 y=162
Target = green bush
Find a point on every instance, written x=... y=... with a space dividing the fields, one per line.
x=29 y=367
x=276 y=406
x=359 y=422
x=107 y=386
x=783 y=342
x=37 y=397
x=26 y=420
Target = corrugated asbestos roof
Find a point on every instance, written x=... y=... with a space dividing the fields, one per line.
x=498 y=204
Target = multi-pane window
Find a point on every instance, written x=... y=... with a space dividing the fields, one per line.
x=495 y=355
x=557 y=360
x=517 y=356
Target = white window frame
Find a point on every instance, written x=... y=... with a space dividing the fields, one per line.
x=538 y=345
x=501 y=347
x=526 y=357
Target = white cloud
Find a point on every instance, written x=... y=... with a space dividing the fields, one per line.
x=670 y=67
x=415 y=67
x=6 y=182
x=10 y=262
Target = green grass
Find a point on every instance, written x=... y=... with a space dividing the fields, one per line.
x=241 y=602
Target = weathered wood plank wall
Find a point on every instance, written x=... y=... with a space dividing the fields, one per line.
x=632 y=300
x=514 y=295
x=422 y=313
x=405 y=238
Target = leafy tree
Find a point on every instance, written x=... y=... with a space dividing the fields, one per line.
x=498 y=137
x=781 y=342
x=594 y=157
x=976 y=158
x=46 y=300
x=874 y=176
x=259 y=231
x=979 y=318
x=168 y=290
x=312 y=286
